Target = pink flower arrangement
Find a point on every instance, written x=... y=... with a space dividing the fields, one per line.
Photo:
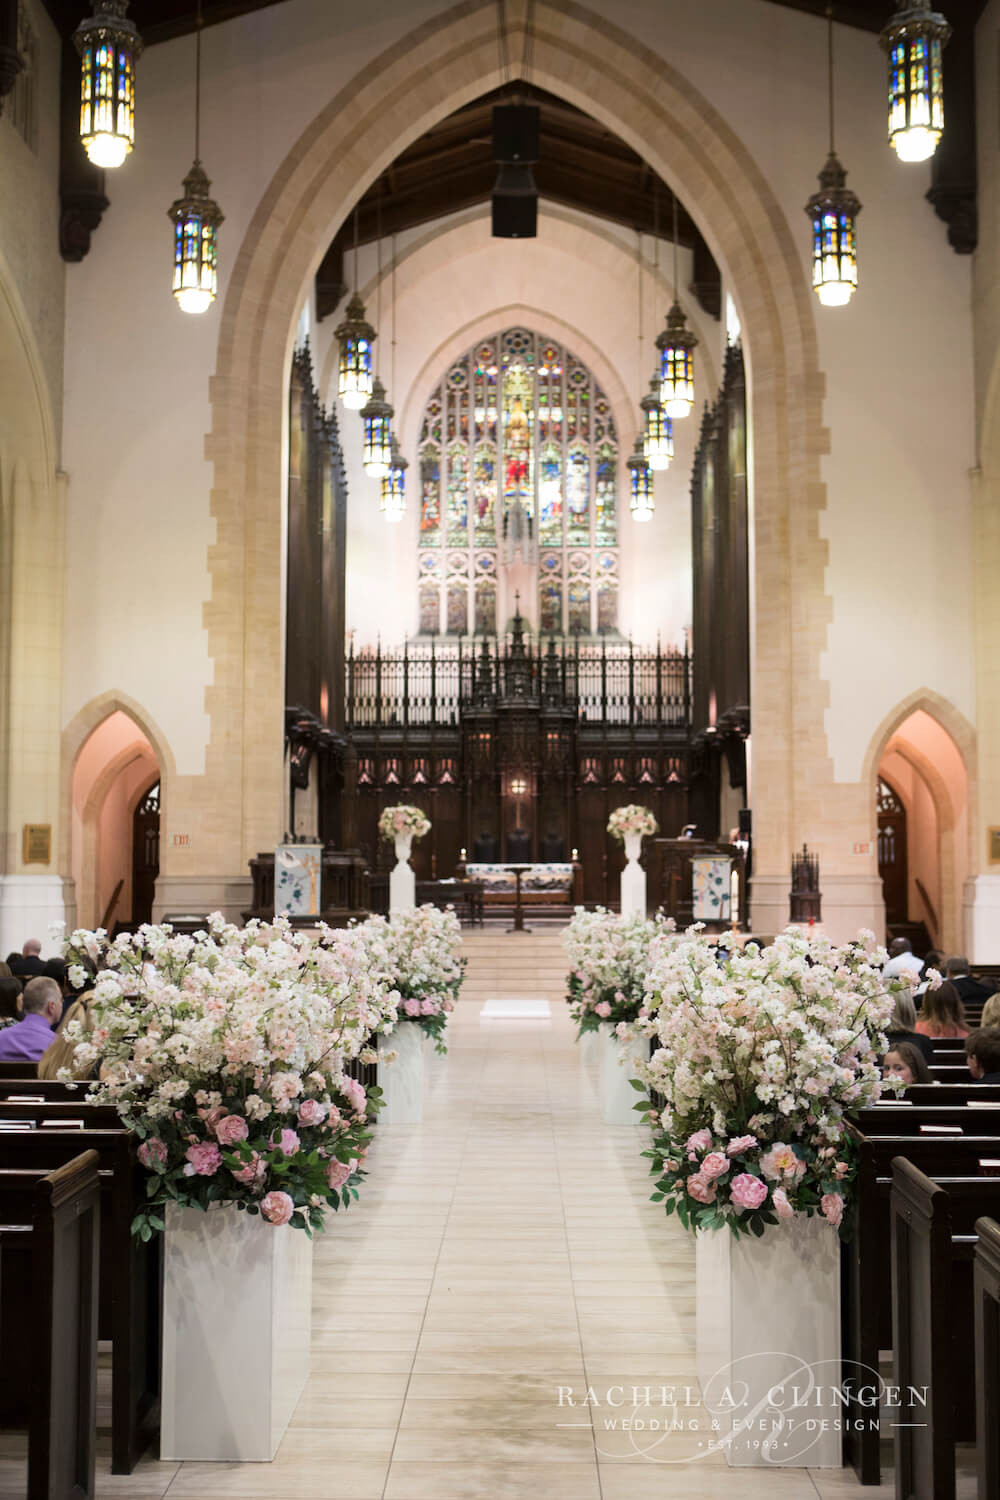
x=631 y=819
x=762 y=1055
x=609 y=960
x=403 y=818
x=417 y=954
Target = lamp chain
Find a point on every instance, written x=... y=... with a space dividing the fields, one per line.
x=829 y=66
x=197 y=84
x=356 y=247
x=676 y=293
x=638 y=253
x=378 y=244
x=393 y=284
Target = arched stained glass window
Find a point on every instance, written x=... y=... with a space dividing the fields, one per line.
x=518 y=465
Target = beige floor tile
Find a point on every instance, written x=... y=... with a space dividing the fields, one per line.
x=497 y=1481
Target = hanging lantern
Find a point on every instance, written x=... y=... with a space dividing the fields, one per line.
x=641 y=480
x=393 y=499
x=658 y=429
x=355 y=336
x=378 y=432
x=109 y=47
x=676 y=345
x=914 y=40
x=833 y=211
x=196 y=218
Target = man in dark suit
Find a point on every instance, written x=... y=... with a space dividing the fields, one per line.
x=31 y=963
x=957 y=970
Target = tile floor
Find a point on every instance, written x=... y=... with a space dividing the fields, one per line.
x=503 y=1249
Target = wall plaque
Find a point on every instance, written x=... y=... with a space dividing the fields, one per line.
x=37 y=844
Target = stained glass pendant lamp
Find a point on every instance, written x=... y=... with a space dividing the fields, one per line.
x=109 y=47
x=640 y=484
x=658 y=429
x=355 y=335
x=393 y=498
x=196 y=218
x=676 y=345
x=377 y=415
x=833 y=211
x=913 y=41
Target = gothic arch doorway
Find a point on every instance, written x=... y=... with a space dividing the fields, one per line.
x=114 y=773
x=145 y=853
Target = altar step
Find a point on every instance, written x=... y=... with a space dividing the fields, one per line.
x=532 y=965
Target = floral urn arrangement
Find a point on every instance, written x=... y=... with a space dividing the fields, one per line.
x=417 y=957
x=404 y=819
x=632 y=821
x=403 y=824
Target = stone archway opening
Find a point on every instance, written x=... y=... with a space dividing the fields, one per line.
x=115 y=769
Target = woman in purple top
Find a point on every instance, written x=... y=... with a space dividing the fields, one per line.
x=41 y=1004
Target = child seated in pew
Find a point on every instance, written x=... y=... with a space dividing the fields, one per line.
x=906 y=1062
x=902 y=1027
x=942 y=1013
x=982 y=1051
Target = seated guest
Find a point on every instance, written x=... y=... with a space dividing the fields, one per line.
x=991 y=1012
x=906 y=1062
x=29 y=963
x=957 y=970
x=10 y=1000
x=942 y=1013
x=932 y=960
x=902 y=961
x=982 y=1051
x=60 y=1052
x=902 y=1027
x=41 y=1005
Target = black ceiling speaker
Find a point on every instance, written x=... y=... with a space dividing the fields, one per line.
x=515 y=147
x=515 y=204
x=516 y=133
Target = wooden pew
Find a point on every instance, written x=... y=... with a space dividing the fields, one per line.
x=52 y=1264
x=967 y=1091
x=867 y=1284
x=986 y=1315
x=53 y=1111
x=129 y=1309
x=907 y=1117
x=933 y=1241
x=20 y=1070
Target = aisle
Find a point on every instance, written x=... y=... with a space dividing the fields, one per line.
x=504 y=1248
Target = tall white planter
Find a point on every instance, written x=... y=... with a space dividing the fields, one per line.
x=768 y=1344
x=402 y=881
x=618 y=1097
x=633 y=887
x=590 y=1047
x=402 y=1081
x=237 y=1321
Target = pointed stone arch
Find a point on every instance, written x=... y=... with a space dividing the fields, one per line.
x=436 y=68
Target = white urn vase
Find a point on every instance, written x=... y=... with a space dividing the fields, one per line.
x=618 y=1097
x=237 y=1323
x=402 y=881
x=768 y=1344
x=633 y=886
x=402 y=1080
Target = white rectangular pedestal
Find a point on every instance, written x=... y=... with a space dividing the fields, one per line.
x=768 y=1344
x=505 y=1008
x=618 y=1097
x=402 y=1081
x=237 y=1324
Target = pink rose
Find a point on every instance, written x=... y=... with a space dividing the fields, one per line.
x=603 y=1010
x=203 y=1161
x=412 y=1007
x=832 y=1205
x=289 y=1143
x=781 y=1163
x=356 y=1094
x=747 y=1192
x=700 y=1189
x=782 y=1207
x=153 y=1153
x=252 y=1173
x=448 y=1005
x=277 y=1208
x=714 y=1165
x=230 y=1129
x=428 y=1008
x=740 y=1145
x=700 y=1141
x=338 y=1172
x=212 y=1117
x=311 y=1112
x=840 y=1169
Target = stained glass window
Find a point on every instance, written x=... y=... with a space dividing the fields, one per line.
x=518 y=463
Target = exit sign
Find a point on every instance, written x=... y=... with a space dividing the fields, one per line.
x=181 y=841
x=863 y=848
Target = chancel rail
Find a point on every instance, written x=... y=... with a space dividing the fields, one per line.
x=610 y=682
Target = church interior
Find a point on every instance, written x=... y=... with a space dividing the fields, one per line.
x=518 y=411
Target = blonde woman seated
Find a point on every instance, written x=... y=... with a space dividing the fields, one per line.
x=942 y=1013
x=991 y=1012
x=59 y=1053
x=902 y=1027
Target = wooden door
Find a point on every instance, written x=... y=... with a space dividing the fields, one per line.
x=892 y=853
x=145 y=854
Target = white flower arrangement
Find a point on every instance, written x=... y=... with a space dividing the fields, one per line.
x=609 y=959
x=403 y=819
x=762 y=1053
x=632 y=819
x=417 y=955
x=227 y=1053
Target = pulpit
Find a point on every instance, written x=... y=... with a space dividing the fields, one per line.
x=694 y=880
